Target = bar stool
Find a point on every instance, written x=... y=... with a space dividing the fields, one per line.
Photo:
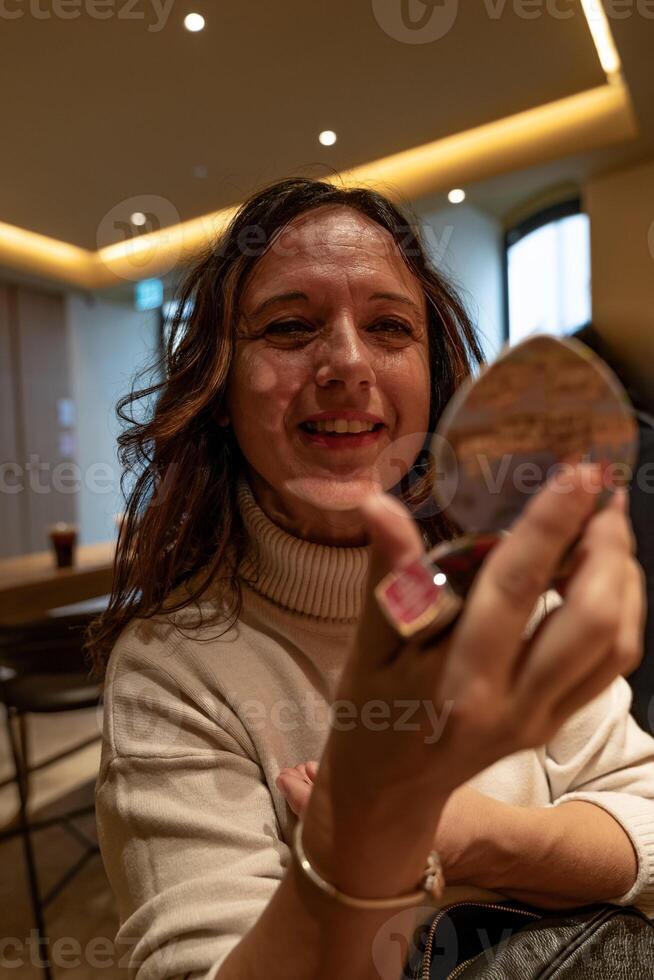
x=42 y=671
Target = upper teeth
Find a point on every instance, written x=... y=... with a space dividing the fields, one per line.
x=340 y=425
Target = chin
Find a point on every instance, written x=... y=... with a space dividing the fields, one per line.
x=330 y=492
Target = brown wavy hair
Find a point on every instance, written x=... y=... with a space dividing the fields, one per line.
x=182 y=532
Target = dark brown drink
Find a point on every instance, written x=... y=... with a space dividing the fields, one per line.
x=64 y=540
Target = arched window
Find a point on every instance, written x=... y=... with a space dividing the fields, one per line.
x=548 y=272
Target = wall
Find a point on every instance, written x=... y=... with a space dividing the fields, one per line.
x=108 y=342
x=11 y=505
x=621 y=209
x=468 y=245
x=36 y=435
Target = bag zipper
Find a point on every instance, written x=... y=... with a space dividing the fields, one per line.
x=425 y=968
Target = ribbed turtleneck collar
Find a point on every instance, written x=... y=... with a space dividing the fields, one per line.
x=314 y=579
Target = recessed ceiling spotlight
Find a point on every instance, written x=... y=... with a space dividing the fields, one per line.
x=194 y=22
x=200 y=171
x=456 y=196
x=327 y=137
x=138 y=219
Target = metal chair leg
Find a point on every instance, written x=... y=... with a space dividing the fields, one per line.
x=19 y=753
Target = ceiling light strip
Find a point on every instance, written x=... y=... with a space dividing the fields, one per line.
x=37 y=254
x=598 y=117
x=600 y=30
x=590 y=119
x=594 y=118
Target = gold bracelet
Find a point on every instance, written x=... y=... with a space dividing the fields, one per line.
x=432 y=881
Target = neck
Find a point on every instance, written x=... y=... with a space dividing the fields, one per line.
x=304 y=576
x=303 y=519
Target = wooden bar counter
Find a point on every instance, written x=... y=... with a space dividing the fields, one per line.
x=31 y=585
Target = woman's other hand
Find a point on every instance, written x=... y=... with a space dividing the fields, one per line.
x=296 y=783
x=464 y=836
x=494 y=692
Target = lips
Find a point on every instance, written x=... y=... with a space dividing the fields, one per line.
x=345 y=413
x=341 y=426
x=341 y=441
x=342 y=429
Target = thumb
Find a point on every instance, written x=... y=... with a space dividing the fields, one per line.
x=395 y=541
x=312 y=769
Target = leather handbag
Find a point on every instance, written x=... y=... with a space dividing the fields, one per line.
x=514 y=941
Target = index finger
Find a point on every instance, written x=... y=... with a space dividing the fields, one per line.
x=521 y=567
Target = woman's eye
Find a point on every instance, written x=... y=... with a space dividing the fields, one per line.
x=285 y=328
x=392 y=326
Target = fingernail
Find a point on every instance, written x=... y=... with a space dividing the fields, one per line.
x=619 y=500
x=591 y=476
x=569 y=477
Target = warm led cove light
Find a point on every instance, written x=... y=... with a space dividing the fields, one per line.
x=603 y=39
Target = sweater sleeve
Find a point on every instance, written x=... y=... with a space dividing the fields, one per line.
x=186 y=823
x=601 y=756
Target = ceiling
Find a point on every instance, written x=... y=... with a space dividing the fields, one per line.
x=113 y=116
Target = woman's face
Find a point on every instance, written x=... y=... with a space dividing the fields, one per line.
x=332 y=323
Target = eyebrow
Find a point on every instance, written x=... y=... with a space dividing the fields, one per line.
x=298 y=294
x=398 y=297
x=278 y=298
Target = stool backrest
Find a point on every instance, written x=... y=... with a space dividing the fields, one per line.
x=46 y=646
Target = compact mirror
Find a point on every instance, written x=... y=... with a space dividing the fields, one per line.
x=544 y=402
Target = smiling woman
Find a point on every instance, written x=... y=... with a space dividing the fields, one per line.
x=350 y=349
x=307 y=379
x=318 y=301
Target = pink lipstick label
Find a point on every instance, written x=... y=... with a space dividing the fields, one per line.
x=412 y=592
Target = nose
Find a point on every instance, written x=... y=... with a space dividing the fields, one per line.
x=345 y=358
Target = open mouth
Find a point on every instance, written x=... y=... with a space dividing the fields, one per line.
x=343 y=434
x=341 y=427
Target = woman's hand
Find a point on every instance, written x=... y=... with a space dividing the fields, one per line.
x=552 y=857
x=296 y=783
x=381 y=787
x=464 y=836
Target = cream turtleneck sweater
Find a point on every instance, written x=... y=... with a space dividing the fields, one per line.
x=194 y=833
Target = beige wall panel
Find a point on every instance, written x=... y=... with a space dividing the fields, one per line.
x=621 y=208
x=44 y=381
x=13 y=512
